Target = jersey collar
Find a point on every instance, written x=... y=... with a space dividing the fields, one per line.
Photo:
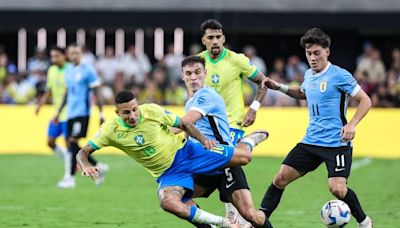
x=322 y=72
x=127 y=126
x=221 y=56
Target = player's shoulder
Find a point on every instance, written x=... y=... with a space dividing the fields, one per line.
x=202 y=54
x=111 y=125
x=339 y=72
x=236 y=57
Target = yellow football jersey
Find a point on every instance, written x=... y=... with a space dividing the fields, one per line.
x=150 y=142
x=56 y=84
x=225 y=75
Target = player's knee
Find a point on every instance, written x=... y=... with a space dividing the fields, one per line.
x=167 y=204
x=51 y=143
x=338 y=190
x=249 y=214
x=280 y=180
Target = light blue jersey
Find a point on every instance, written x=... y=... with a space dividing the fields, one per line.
x=214 y=124
x=79 y=80
x=327 y=96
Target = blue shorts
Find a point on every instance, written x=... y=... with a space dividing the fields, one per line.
x=235 y=134
x=192 y=159
x=56 y=130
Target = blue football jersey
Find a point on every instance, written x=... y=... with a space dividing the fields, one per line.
x=327 y=96
x=79 y=80
x=214 y=124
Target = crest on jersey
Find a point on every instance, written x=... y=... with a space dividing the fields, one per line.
x=215 y=79
x=322 y=86
x=139 y=139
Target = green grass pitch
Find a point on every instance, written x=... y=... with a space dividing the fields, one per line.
x=29 y=198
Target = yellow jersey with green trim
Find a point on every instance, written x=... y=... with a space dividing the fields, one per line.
x=150 y=142
x=225 y=74
x=56 y=84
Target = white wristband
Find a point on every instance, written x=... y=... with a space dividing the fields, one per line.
x=101 y=115
x=284 y=88
x=255 y=105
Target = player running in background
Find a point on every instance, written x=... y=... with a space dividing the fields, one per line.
x=225 y=72
x=143 y=132
x=327 y=88
x=55 y=87
x=206 y=109
x=80 y=80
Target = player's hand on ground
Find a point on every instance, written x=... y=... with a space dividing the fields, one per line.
x=348 y=132
x=271 y=83
x=90 y=171
x=209 y=144
x=249 y=118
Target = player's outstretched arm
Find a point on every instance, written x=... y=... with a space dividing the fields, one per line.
x=82 y=159
x=192 y=116
x=99 y=101
x=61 y=107
x=192 y=131
x=349 y=130
x=294 y=92
x=43 y=99
x=250 y=116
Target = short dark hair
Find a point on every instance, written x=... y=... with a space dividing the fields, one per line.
x=57 y=48
x=192 y=60
x=315 y=36
x=123 y=97
x=211 y=24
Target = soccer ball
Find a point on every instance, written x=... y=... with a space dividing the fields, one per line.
x=335 y=213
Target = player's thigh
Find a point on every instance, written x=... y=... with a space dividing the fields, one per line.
x=77 y=127
x=205 y=185
x=338 y=161
x=54 y=130
x=233 y=179
x=302 y=159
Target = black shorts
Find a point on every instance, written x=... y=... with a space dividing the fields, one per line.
x=77 y=127
x=232 y=179
x=305 y=158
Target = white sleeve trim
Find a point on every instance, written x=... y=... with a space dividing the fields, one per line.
x=202 y=112
x=355 y=91
x=94 y=84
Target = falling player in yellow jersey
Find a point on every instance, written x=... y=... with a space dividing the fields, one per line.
x=55 y=87
x=143 y=132
x=225 y=72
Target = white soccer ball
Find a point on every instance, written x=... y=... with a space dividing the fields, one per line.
x=335 y=213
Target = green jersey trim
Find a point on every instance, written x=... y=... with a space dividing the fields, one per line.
x=93 y=145
x=176 y=123
x=221 y=56
x=254 y=74
x=127 y=126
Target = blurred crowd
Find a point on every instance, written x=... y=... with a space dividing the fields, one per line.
x=161 y=83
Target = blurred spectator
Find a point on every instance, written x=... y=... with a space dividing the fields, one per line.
x=295 y=68
x=362 y=79
x=175 y=94
x=173 y=64
x=37 y=69
x=195 y=49
x=256 y=60
x=279 y=67
x=38 y=62
x=374 y=67
x=159 y=76
x=19 y=90
x=87 y=56
x=395 y=65
x=107 y=67
x=135 y=66
x=5 y=67
x=151 y=93
x=368 y=49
